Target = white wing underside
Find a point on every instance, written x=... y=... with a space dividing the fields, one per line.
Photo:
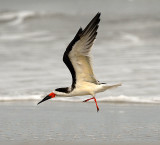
x=81 y=60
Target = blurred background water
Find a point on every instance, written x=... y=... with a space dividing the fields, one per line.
x=35 y=33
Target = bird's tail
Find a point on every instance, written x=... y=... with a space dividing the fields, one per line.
x=106 y=87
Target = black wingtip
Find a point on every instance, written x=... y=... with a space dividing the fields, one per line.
x=79 y=31
x=92 y=24
x=97 y=16
x=99 y=13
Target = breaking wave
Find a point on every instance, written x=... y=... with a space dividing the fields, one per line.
x=28 y=36
x=109 y=99
x=18 y=17
x=14 y=18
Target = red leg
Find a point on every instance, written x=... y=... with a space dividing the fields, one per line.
x=88 y=99
x=96 y=103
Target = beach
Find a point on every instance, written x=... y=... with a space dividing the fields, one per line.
x=73 y=143
x=57 y=122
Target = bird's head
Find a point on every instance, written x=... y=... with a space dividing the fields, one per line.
x=49 y=96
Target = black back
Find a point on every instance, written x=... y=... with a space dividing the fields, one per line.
x=64 y=90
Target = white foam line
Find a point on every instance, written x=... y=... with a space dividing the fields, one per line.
x=109 y=99
x=20 y=98
x=126 y=99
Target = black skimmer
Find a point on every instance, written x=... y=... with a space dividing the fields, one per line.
x=77 y=59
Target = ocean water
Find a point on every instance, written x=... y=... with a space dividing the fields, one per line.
x=35 y=34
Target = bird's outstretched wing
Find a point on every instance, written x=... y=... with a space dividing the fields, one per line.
x=77 y=57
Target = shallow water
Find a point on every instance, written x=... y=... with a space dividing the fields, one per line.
x=79 y=122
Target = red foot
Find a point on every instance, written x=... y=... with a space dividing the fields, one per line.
x=94 y=101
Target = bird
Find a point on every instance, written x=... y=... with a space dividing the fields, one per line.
x=78 y=60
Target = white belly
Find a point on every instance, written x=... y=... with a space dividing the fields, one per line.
x=87 y=88
x=92 y=89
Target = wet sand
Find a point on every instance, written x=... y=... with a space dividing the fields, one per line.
x=74 y=143
x=64 y=122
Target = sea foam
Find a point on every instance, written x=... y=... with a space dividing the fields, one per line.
x=108 y=99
